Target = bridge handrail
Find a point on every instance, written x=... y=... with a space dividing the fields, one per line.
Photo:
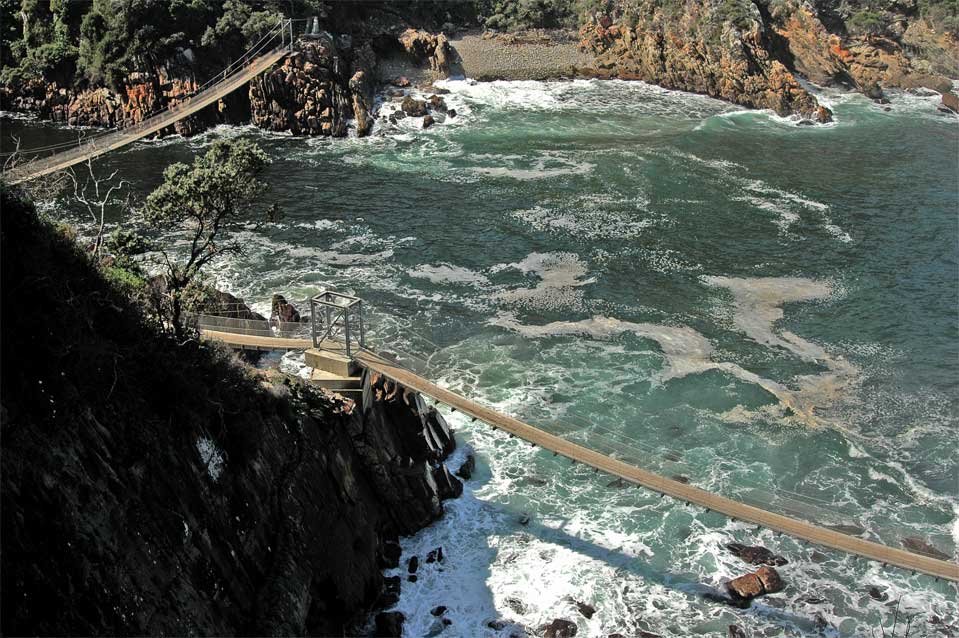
x=169 y=114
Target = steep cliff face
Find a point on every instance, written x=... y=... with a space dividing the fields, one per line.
x=866 y=63
x=150 y=487
x=695 y=47
x=312 y=92
x=750 y=53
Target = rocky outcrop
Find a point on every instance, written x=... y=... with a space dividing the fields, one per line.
x=702 y=51
x=282 y=310
x=156 y=487
x=866 y=63
x=429 y=49
x=765 y=580
x=308 y=93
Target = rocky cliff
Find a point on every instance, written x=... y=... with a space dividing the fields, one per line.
x=753 y=53
x=154 y=487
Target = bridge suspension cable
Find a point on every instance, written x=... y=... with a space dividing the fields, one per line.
x=270 y=48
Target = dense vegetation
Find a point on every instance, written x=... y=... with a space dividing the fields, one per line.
x=102 y=42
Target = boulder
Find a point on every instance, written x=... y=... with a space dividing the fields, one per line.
x=389 y=624
x=771 y=580
x=447 y=485
x=745 y=587
x=437 y=103
x=451 y=113
x=438 y=611
x=735 y=631
x=585 y=609
x=466 y=469
x=951 y=101
x=756 y=555
x=560 y=628
x=765 y=580
x=413 y=564
x=283 y=311
x=413 y=107
x=877 y=594
x=435 y=556
x=428 y=121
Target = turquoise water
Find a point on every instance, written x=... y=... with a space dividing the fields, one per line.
x=765 y=309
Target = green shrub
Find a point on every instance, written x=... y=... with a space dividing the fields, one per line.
x=867 y=22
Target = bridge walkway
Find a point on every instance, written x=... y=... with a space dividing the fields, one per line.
x=735 y=510
x=237 y=75
x=675 y=489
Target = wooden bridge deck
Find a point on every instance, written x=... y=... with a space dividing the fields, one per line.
x=736 y=510
x=682 y=491
x=256 y=342
x=106 y=143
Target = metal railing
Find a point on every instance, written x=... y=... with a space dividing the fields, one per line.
x=335 y=316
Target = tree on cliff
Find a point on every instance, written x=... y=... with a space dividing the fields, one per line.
x=219 y=193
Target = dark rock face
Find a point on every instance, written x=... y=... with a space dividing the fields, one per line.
x=735 y=631
x=435 y=555
x=188 y=498
x=467 y=468
x=560 y=628
x=586 y=610
x=389 y=624
x=756 y=555
x=316 y=91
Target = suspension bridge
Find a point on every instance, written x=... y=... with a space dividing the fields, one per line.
x=334 y=341
x=270 y=49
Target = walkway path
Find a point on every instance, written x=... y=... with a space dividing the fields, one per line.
x=242 y=72
x=682 y=491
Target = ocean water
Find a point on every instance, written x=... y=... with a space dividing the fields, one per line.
x=768 y=310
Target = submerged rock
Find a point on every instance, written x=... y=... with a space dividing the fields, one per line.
x=435 y=556
x=918 y=545
x=413 y=107
x=560 y=628
x=756 y=555
x=428 y=121
x=413 y=564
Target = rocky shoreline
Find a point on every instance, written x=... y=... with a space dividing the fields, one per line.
x=332 y=78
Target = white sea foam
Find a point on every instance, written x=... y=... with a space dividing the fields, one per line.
x=560 y=275
x=449 y=274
